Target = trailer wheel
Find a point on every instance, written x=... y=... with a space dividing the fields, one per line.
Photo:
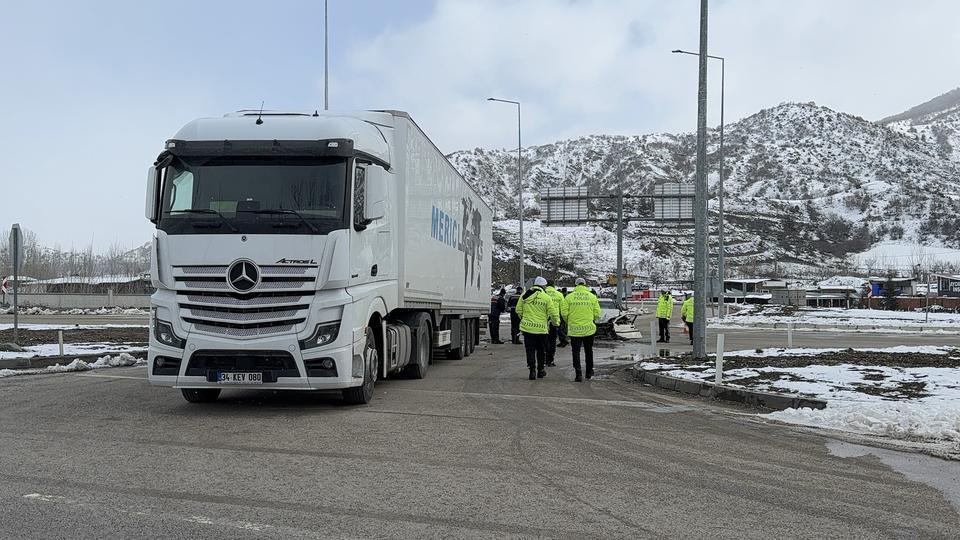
x=200 y=395
x=463 y=350
x=421 y=349
x=471 y=336
x=361 y=395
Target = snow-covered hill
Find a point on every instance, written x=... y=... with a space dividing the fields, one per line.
x=936 y=122
x=806 y=188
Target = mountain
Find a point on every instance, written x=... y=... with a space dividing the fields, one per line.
x=806 y=188
x=936 y=122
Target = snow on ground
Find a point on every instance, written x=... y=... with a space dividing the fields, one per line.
x=843 y=281
x=899 y=349
x=911 y=403
x=77 y=311
x=904 y=255
x=71 y=349
x=71 y=326
x=123 y=359
x=770 y=315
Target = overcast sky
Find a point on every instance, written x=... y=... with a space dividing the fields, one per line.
x=90 y=90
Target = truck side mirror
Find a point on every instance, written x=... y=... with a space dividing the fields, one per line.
x=153 y=185
x=375 y=201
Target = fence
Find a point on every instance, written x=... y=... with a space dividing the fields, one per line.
x=80 y=301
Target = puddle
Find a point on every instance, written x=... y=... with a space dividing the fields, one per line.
x=942 y=475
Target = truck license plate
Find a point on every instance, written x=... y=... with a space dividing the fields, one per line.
x=225 y=377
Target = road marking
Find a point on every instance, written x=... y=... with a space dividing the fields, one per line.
x=197 y=519
x=99 y=376
x=567 y=400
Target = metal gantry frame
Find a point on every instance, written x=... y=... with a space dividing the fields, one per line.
x=619 y=197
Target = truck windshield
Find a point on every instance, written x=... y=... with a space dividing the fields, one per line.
x=229 y=195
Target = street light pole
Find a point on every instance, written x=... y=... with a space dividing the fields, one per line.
x=721 y=264
x=326 y=73
x=519 y=183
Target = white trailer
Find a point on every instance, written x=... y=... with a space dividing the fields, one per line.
x=311 y=252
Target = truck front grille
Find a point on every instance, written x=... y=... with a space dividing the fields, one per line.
x=279 y=303
x=279 y=363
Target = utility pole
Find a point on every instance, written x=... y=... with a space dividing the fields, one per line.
x=326 y=71
x=621 y=293
x=700 y=200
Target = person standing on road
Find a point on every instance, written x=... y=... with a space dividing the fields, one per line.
x=580 y=309
x=554 y=328
x=537 y=312
x=664 y=312
x=498 y=304
x=514 y=317
x=686 y=314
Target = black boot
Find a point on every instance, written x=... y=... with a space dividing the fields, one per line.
x=589 y=374
x=541 y=374
x=578 y=378
x=533 y=374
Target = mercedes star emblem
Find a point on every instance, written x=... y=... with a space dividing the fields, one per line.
x=243 y=275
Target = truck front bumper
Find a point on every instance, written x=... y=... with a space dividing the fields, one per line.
x=345 y=359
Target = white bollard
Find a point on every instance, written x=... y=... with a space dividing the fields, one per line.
x=718 y=377
x=789 y=335
x=60 y=340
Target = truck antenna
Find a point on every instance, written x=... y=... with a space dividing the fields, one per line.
x=260 y=116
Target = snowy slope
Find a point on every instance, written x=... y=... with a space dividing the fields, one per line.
x=806 y=188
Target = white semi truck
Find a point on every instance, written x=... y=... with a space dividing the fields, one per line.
x=311 y=252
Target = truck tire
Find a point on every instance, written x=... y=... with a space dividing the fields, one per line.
x=421 y=350
x=471 y=335
x=200 y=395
x=361 y=395
x=462 y=350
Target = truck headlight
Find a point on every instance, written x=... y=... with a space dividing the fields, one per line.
x=163 y=332
x=323 y=334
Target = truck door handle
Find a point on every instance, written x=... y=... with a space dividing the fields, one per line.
x=373 y=270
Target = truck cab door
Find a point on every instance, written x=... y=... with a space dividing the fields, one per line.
x=371 y=246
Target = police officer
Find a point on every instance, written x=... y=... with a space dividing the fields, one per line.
x=686 y=314
x=664 y=312
x=514 y=317
x=580 y=309
x=554 y=329
x=537 y=312
x=498 y=304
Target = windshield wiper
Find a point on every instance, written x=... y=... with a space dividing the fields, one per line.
x=208 y=211
x=284 y=211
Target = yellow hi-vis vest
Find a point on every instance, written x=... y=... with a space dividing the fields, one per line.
x=537 y=311
x=580 y=309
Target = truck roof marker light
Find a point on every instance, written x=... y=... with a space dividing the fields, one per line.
x=171 y=144
x=333 y=144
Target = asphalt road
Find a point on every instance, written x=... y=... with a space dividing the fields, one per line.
x=475 y=450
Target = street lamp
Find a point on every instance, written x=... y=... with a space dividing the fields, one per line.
x=326 y=73
x=720 y=262
x=519 y=182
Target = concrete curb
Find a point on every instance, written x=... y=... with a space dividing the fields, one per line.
x=767 y=400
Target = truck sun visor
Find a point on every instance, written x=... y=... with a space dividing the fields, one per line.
x=318 y=148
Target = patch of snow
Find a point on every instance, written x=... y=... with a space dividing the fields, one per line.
x=899 y=349
x=71 y=349
x=840 y=317
x=121 y=360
